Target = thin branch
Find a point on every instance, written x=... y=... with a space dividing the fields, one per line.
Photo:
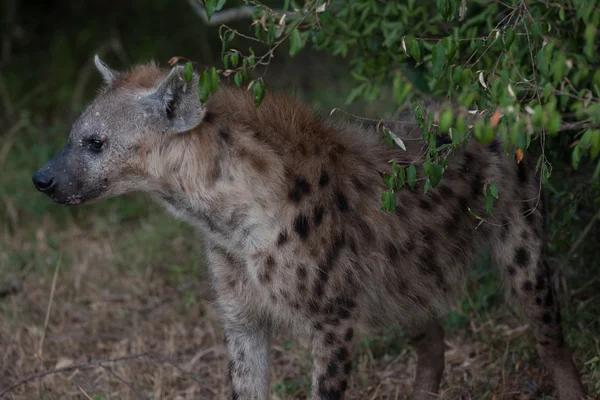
x=87 y=365
x=224 y=16
x=584 y=233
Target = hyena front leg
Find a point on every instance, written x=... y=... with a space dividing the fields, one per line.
x=333 y=350
x=429 y=344
x=246 y=332
x=248 y=362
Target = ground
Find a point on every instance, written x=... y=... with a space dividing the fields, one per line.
x=133 y=290
x=113 y=301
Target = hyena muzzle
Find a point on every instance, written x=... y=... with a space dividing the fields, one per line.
x=289 y=206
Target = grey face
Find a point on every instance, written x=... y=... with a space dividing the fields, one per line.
x=101 y=158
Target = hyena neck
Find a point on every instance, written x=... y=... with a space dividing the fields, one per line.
x=214 y=178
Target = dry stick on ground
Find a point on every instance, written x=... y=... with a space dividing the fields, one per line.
x=99 y=363
x=86 y=365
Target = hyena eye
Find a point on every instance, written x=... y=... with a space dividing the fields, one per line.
x=96 y=144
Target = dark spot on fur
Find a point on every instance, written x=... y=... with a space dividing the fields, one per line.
x=349 y=334
x=332 y=369
x=511 y=271
x=348 y=367
x=547 y=318
x=538 y=300
x=324 y=179
x=451 y=225
x=234 y=396
x=319 y=289
x=225 y=134
x=392 y=251
x=302 y=149
x=343 y=384
x=342 y=201
x=301 y=187
x=477 y=185
x=301 y=287
x=540 y=281
x=528 y=286
x=282 y=238
x=344 y=313
x=522 y=172
x=419 y=337
x=548 y=299
x=329 y=338
x=318 y=215
x=446 y=192
x=209 y=117
x=301 y=272
x=318 y=326
x=333 y=394
x=468 y=162
x=301 y=226
x=495 y=146
x=544 y=342
x=425 y=204
x=522 y=257
x=342 y=354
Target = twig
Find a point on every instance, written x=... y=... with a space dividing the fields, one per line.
x=222 y=17
x=86 y=365
x=129 y=385
x=584 y=233
x=47 y=319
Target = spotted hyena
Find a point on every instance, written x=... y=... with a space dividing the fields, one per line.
x=289 y=205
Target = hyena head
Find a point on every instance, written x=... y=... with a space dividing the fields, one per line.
x=104 y=154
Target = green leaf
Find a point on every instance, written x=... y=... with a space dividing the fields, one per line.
x=489 y=203
x=401 y=178
x=295 y=42
x=388 y=202
x=258 y=89
x=446 y=120
x=214 y=80
x=546 y=172
x=204 y=87
x=238 y=79
x=494 y=190
x=411 y=176
x=210 y=6
x=389 y=181
x=509 y=38
x=188 y=72
x=437 y=175
x=235 y=57
x=356 y=93
x=554 y=123
x=438 y=60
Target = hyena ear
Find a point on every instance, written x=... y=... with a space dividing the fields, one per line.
x=108 y=75
x=174 y=104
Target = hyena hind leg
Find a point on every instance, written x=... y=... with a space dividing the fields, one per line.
x=519 y=251
x=429 y=345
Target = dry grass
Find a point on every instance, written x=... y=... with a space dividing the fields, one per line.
x=116 y=298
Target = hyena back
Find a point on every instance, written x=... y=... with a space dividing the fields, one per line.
x=289 y=205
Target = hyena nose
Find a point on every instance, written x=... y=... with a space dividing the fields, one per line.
x=43 y=183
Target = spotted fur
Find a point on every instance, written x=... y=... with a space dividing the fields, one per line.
x=289 y=205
